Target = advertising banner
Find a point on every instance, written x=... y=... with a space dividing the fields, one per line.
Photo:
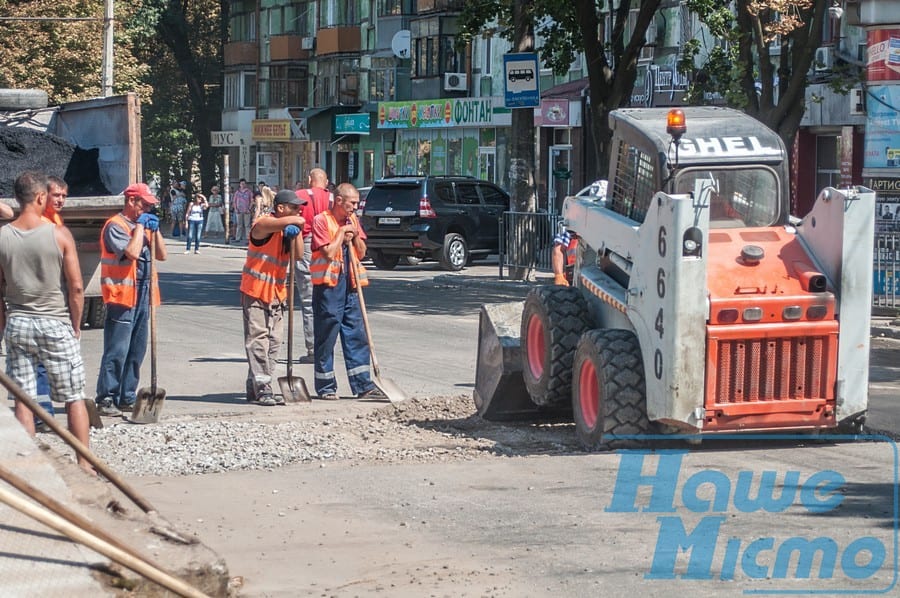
x=421 y=114
x=883 y=61
x=882 y=127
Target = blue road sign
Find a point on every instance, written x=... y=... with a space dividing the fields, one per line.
x=520 y=81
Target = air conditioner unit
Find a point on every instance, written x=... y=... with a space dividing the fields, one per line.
x=307 y=43
x=857 y=101
x=455 y=82
x=824 y=60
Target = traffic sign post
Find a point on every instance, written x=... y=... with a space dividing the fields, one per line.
x=520 y=83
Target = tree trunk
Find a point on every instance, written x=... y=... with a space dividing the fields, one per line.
x=522 y=162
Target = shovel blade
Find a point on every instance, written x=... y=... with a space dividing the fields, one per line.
x=391 y=390
x=148 y=406
x=294 y=390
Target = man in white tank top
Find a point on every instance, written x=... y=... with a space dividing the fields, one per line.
x=41 y=319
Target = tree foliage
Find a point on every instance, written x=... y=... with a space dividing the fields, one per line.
x=567 y=28
x=760 y=62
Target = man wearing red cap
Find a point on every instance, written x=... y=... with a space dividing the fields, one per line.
x=126 y=286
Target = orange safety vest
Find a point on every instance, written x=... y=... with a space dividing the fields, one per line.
x=265 y=270
x=118 y=277
x=323 y=270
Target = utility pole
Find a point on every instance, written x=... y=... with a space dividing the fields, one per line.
x=106 y=74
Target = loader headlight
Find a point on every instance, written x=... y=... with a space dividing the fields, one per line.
x=728 y=316
x=690 y=246
x=753 y=314
x=816 y=312
x=792 y=312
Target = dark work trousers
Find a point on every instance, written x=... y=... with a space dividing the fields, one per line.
x=336 y=311
x=125 y=335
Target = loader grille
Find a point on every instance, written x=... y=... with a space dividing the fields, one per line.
x=772 y=369
x=771 y=381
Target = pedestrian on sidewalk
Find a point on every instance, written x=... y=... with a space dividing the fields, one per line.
x=338 y=245
x=320 y=199
x=41 y=302
x=126 y=286
x=214 y=224
x=193 y=222
x=243 y=207
x=264 y=292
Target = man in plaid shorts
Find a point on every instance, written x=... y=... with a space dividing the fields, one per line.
x=41 y=320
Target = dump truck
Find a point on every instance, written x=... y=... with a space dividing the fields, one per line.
x=698 y=305
x=95 y=145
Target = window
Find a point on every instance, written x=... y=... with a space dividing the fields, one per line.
x=288 y=86
x=493 y=196
x=467 y=194
x=392 y=7
x=634 y=183
x=337 y=82
x=737 y=197
x=828 y=161
x=242 y=22
x=382 y=80
x=240 y=90
x=338 y=13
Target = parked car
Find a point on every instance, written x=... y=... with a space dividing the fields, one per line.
x=448 y=218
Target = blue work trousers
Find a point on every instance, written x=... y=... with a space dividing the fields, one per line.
x=125 y=335
x=336 y=311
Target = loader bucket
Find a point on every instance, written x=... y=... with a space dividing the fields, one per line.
x=500 y=393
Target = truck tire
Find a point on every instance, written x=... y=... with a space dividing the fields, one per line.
x=608 y=392
x=96 y=312
x=455 y=252
x=553 y=319
x=382 y=261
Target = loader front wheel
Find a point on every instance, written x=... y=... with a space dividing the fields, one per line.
x=608 y=393
x=553 y=319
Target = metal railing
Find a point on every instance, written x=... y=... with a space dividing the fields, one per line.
x=886 y=269
x=526 y=239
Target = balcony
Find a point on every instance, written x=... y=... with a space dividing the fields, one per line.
x=427 y=6
x=338 y=39
x=289 y=47
x=241 y=53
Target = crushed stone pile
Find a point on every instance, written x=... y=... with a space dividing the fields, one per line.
x=436 y=429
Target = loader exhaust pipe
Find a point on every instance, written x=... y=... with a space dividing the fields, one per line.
x=811 y=279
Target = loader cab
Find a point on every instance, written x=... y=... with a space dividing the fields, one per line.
x=729 y=161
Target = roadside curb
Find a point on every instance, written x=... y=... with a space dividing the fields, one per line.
x=891 y=332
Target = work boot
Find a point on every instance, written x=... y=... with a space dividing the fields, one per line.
x=106 y=407
x=310 y=357
x=251 y=393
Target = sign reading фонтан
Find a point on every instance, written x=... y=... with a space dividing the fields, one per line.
x=420 y=114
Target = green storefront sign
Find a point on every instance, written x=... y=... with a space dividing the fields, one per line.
x=421 y=114
x=351 y=124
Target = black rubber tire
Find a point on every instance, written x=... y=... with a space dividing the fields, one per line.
x=382 y=261
x=608 y=392
x=455 y=252
x=95 y=311
x=553 y=319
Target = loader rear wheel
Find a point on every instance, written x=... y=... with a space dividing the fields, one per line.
x=553 y=320
x=95 y=312
x=608 y=393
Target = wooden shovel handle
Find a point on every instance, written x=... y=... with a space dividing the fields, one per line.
x=152 y=315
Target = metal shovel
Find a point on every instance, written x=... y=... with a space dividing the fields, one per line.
x=149 y=402
x=293 y=388
x=390 y=389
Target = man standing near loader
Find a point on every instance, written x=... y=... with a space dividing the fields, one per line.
x=126 y=286
x=320 y=199
x=338 y=244
x=264 y=293
x=41 y=305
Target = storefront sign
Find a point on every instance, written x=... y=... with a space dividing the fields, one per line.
x=553 y=113
x=271 y=130
x=882 y=146
x=421 y=114
x=351 y=124
x=225 y=138
x=883 y=60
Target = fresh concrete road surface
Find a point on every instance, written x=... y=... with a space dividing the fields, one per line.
x=525 y=513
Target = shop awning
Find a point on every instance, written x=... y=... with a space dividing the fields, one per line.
x=568 y=91
x=310 y=112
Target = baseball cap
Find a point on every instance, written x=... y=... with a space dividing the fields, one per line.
x=289 y=197
x=140 y=190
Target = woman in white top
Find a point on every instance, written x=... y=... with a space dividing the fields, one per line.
x=193 y=222
x=214 y=216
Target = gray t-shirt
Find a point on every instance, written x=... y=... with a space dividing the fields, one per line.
x=33 y=268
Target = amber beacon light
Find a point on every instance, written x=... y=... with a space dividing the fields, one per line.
x=676 y=125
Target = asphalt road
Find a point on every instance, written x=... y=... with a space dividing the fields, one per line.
x=537 y=525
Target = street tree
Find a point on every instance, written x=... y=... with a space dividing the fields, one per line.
x=760 y=62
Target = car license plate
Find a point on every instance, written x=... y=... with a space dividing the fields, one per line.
x=389 y=221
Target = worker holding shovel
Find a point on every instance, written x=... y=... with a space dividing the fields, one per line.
x=264 y=291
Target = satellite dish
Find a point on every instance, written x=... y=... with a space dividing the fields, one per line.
x=400 y=43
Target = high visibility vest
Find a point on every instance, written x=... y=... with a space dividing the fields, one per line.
x=326 y=271
x=54 y=218
x=571 y=250
x=265 y=270
x=118 y=277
